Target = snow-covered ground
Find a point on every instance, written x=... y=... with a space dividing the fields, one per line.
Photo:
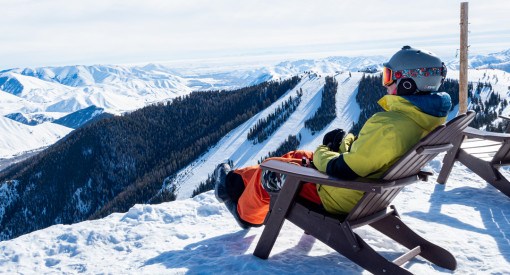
x=17 y=137
x=199 y=236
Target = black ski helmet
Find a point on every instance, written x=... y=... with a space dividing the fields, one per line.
x=414 y=71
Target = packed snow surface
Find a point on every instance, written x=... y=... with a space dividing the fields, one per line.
x=199 y=236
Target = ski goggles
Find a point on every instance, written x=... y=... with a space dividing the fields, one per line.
x=389 y=76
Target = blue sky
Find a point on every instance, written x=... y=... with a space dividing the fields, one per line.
x=67 y=32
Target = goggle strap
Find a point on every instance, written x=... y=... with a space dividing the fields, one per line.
x=420 y=72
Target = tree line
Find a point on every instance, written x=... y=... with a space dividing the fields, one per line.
x=327 y=111
x=265 y=127
x=487 y=111
x=370 y=91
x=290 y=144
x=110 y=165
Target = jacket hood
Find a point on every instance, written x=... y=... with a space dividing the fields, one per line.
x=435 y=104
x=428 y=110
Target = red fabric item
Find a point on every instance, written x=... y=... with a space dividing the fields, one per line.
x=253 y=204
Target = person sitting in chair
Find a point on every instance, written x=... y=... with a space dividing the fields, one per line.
x=413 y=108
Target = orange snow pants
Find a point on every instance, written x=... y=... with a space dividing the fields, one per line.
x=253 y=204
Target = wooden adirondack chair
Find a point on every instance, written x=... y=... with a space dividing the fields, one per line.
x=373 y=209
x=483 y=153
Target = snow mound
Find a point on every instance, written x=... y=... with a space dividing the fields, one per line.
x=199 y=236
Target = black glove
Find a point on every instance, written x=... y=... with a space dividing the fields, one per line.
x=333 y=139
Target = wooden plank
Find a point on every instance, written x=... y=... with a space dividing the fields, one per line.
x=312 y=175
x=355 y=213
x=449 y=160
x=484 y=157
x=503 y=154
x=277 y=217
x=483 y=149
x=478 y=142
x=381 y=203
x=475 y=133
x=413 y=164
x=408 y=256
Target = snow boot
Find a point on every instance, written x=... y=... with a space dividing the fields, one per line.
x=228 y=187
x=220 y=182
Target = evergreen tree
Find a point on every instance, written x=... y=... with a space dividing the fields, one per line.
x=327 y=111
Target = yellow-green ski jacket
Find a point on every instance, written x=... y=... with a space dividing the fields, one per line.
x=384 y=138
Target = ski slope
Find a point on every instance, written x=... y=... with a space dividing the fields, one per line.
x=243 y=152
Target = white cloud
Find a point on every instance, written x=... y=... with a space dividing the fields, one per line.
x=54 y=32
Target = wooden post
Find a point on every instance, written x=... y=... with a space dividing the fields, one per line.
x=463 y=74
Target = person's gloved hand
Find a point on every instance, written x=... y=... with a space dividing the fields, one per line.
x=333 y=139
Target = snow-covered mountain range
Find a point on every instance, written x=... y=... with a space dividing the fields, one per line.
x=34 y=96
x=198 y=235
x=41 y=95
x=499 y=60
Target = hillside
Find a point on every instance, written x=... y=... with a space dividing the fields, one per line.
x=34 y=95
x=499 y=60
x=20 y=137
x=242 y=152
x=110 y=165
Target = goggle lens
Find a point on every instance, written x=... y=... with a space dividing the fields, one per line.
x=387 y=76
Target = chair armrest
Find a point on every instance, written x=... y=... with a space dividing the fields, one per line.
x=311 y=175
x=504 y=117
x=433 y=149
x=475 y=133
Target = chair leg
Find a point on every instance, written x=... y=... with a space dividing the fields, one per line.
x=340 y=237
x=365 y=257
x=393 y=227
x=449 y=160
x=501 y=184
x=274 y=221
x=486 y=171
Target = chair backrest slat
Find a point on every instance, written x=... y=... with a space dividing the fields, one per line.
x=411 y=163
x=414 y=163
x=373 y=203
x=356 y=211
x=383 y=201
